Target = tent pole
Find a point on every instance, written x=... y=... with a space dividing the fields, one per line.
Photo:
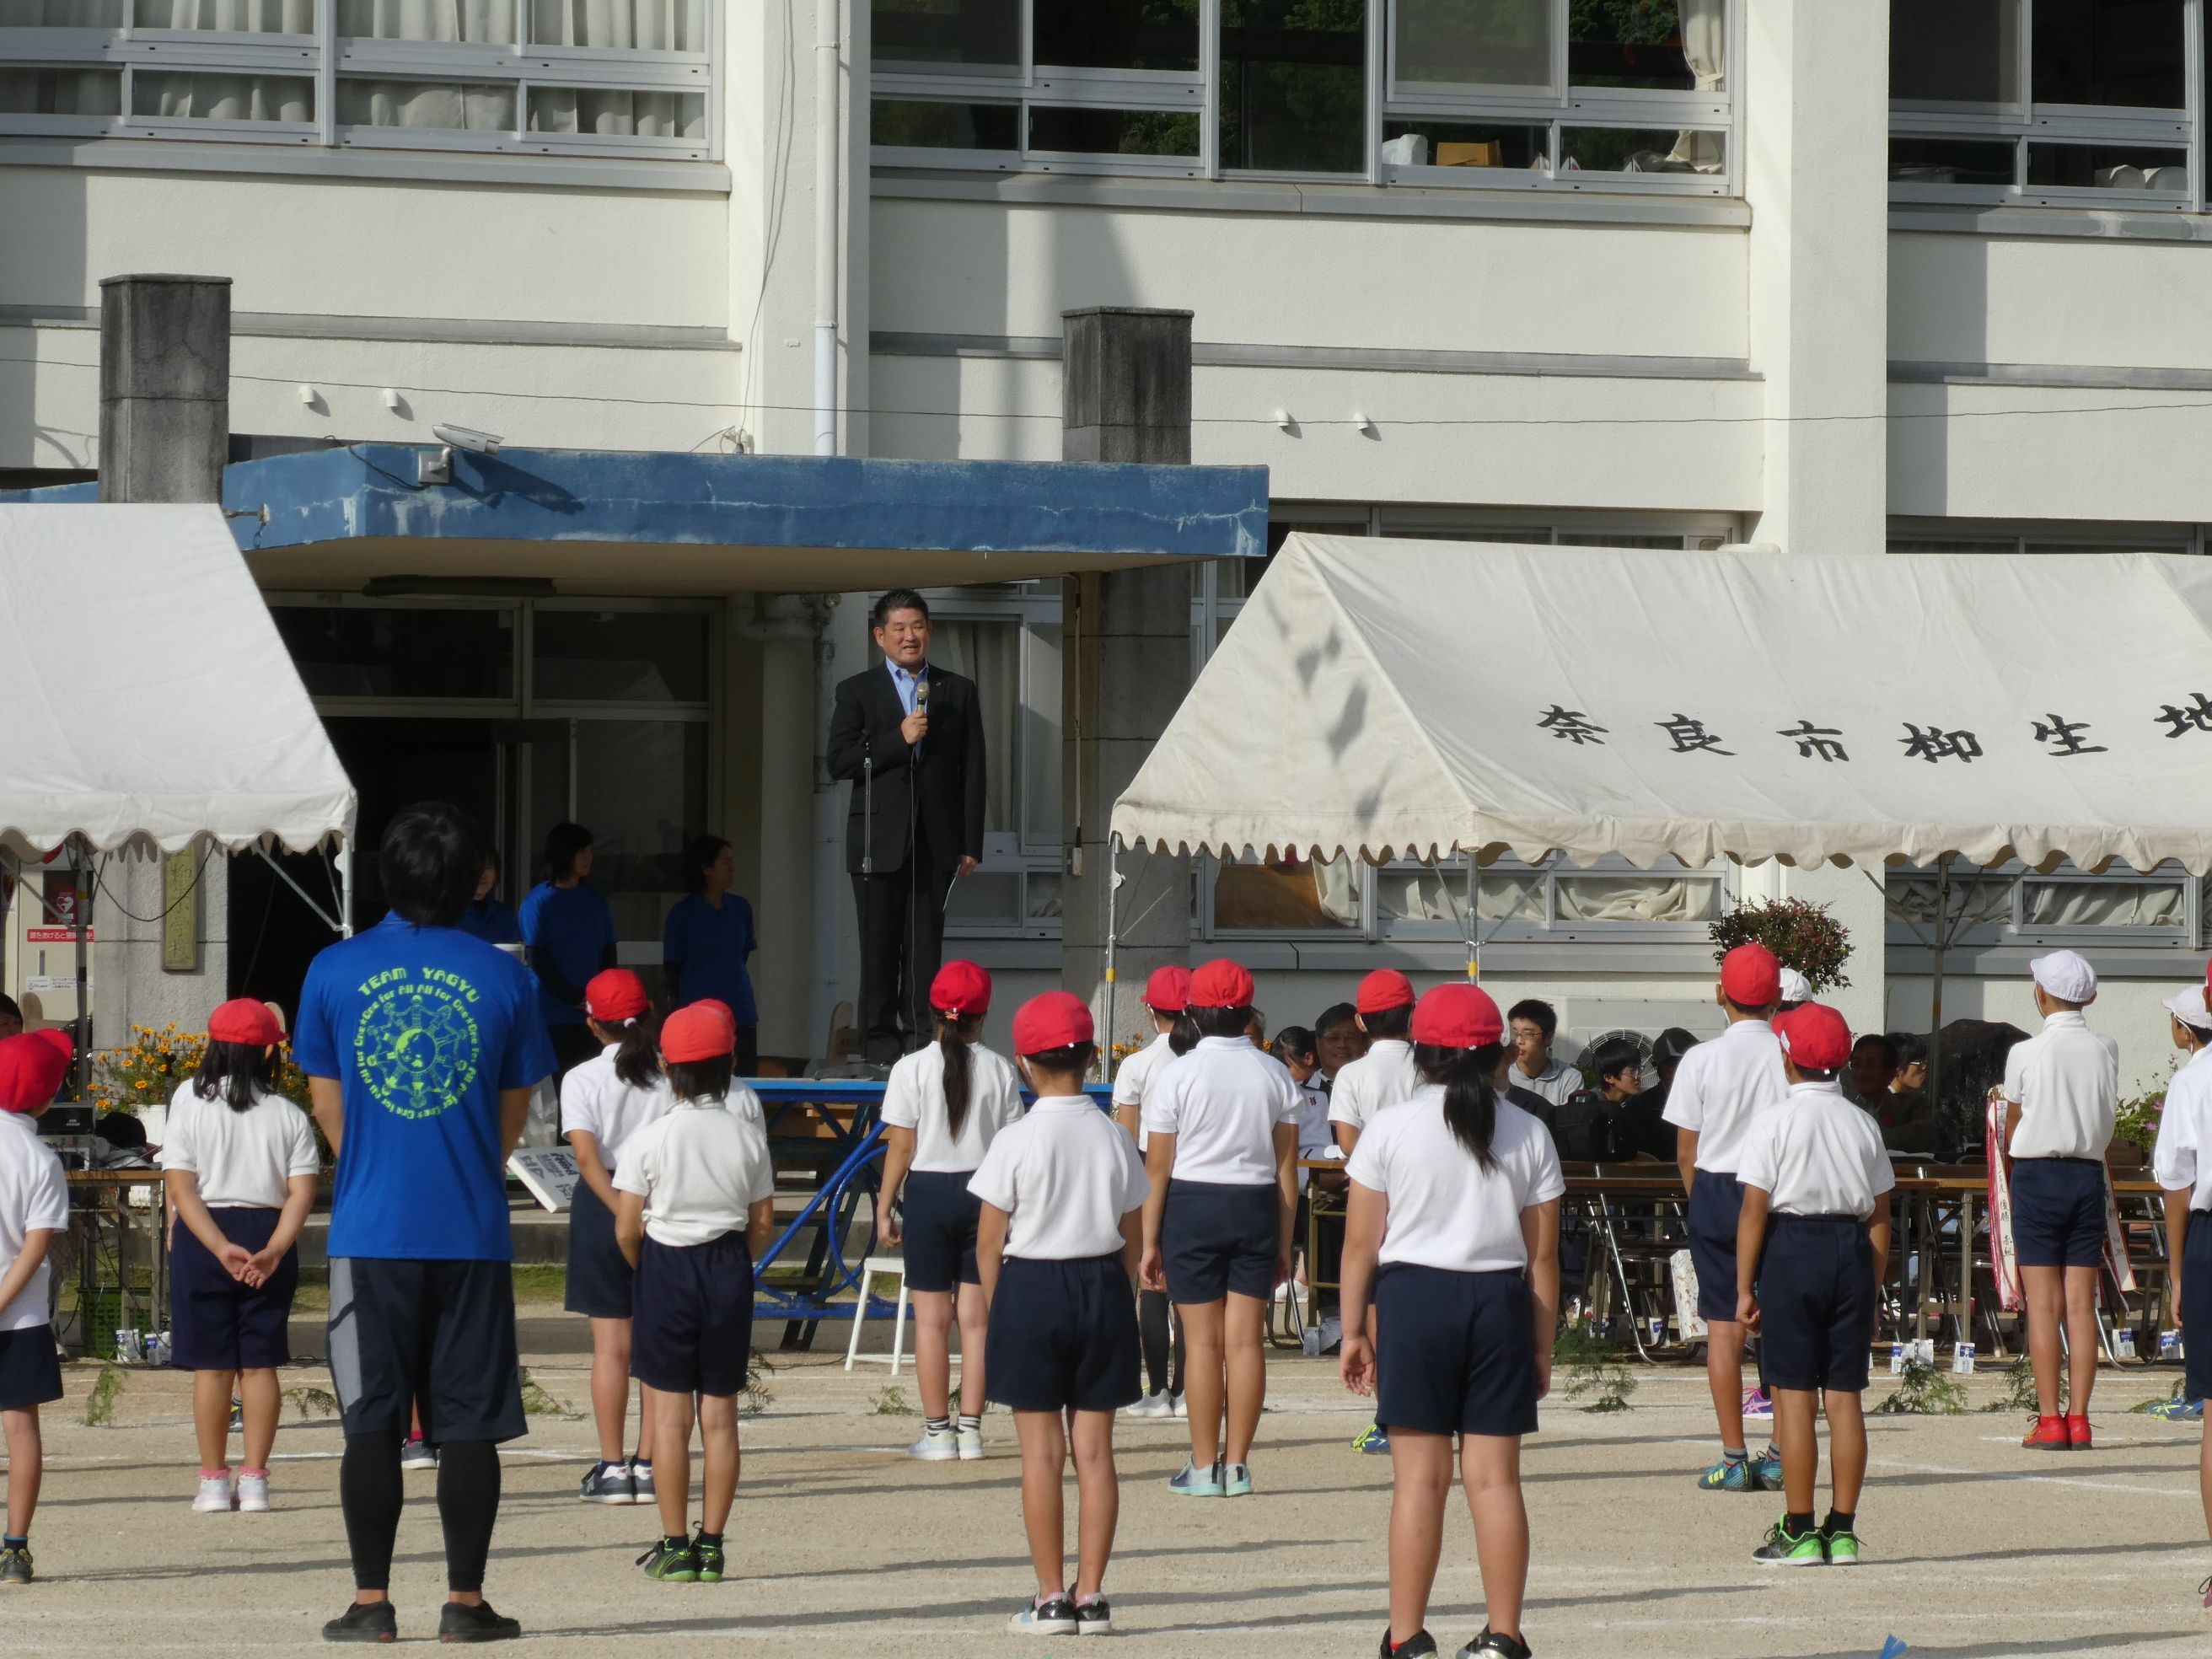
x=1935 y=1014
x=345 y=887
x=81 y=902
x=1474 y=919
x=1113 y=881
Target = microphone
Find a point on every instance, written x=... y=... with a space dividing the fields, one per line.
x=921 y=695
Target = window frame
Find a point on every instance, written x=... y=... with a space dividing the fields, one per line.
x=2188 y=938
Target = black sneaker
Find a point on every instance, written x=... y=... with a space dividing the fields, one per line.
x=713 y=1563
x=460 y=1622
x=1495 y=1642
x=1419 y=1645
x=370 y=1621
x=671 y=1560
x=1054 y=1618
x=1092 y=1618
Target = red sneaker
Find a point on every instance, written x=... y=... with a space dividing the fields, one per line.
x=2050 y=1434
x=2077 y=1431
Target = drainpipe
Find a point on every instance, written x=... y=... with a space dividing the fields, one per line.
x=827 y=206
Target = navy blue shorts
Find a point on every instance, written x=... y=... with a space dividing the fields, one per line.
x=1063 y=1337
x=437 y=1334
x=692 y=1329
x=599 y=1273
x=2197 y=1306
x=937 y=1218
x=1215 y=1239
x=1454 y=1353
x=2058 y=1212
x=1816 y=1303
x=30 y=1369
x=1716 y=1204
x=217 y=1324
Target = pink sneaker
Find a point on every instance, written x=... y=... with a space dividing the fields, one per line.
x=1756 y=1404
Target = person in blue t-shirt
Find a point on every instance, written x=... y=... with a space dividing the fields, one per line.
x=708 y=936
x=571 y=935
x=490 y=917
x=421 y=1046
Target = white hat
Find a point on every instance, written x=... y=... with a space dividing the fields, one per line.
x=2066 y=975
x=1796 y=988
x=2188 y=1008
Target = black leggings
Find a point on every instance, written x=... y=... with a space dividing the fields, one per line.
x=1152 y=1313
x=371 y=1495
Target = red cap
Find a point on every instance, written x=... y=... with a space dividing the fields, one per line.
x=1751 y=977
x=1457 y=1016
x=31 y=1068
x=721 y=1010
x=703 y=1031
x=1382 y=990
x=1057 y=1019
x=614 y=995
x=1168 y=990
x=1221 y=984
x=244 y=1020
x=1814 y=1036
x=961 y=989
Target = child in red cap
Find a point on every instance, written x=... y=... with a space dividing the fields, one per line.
x=1167 y=1001
x=1453 y=1223
x=1813 y=1247
x=1057 y=1248
x=33 y=1212
x=1384 y=1076
x=240 y=1161
x=943 y=1106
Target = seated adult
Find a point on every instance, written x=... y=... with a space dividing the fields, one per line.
x=1908 y=1117
x=1873 y=1069
x=1643 y=1131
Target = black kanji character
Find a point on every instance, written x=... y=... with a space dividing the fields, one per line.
x=2066 y=736
x=2197 y=717
x=1690 y=736
x=1935 y=744
x=1569 y=723
x=1815 y=742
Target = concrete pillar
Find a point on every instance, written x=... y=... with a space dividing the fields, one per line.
x=1125 y=635
x=1815 y=168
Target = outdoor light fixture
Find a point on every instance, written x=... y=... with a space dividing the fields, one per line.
x=436 y=467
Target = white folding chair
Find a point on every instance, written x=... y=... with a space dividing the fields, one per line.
x=875 y=1268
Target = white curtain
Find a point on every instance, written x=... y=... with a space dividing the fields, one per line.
x=60 y=92
x=222 y=97
x=1636 y=898
x=1705 y=47
x=620 y=25
x=487 y=21
x=2104 y=904
x=61 y=15
x=616 y=114
x=232 y=16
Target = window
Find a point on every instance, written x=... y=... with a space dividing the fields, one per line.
x=2013 y=905
x=2044 y=102
x=1980 y=536
x=609 y=77
x=1515 y=900
x=1574 y=95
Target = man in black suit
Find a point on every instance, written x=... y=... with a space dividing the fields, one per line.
x=918 y=732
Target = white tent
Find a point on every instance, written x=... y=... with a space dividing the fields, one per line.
x=1412 y=699
x=147 y=696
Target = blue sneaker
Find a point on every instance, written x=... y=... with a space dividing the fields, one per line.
x=1374 y=1439
x=1196 y=1482
x=1767 y=1466
x=1729 y=1475
x=1235 y=1479
x=2177 y=1410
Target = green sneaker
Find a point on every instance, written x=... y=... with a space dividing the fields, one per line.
x=1374 y=1440
x=1729 y=1475
x=1843 y=1548
x=671 y=1560
x=710 y=1559
x=1784 y=1548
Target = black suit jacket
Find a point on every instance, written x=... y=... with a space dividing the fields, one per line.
x=946 y=788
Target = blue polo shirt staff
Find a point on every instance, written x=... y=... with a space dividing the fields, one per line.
x=706 y=940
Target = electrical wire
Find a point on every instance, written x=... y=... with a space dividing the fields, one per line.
x=100 y=884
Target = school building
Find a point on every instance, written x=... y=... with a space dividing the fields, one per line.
x=1652 y=273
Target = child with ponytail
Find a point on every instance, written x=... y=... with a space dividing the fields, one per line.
x=943 y=1106
x=605 y=1101
x=1453 y=1234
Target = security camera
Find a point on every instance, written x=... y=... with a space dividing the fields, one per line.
x=468 y=438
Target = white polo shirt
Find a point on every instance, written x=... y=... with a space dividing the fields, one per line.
x=2183 y=1157
x=1065 y=1174
x=914 y=1099
x=1222 y=1102
x=1384 y=1076
x=2066 y=1079
x=1137 y=1074
x=595 y=1100
x=240 y=1160
x=32 y=1196
x=1723 y=1084
x=1445 y=1209
x=700 y=1167
x=1556 y=1083
x=1817 y=1154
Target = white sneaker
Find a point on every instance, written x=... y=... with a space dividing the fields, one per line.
x=935 y=1446
x=253 y=1494
x=971 y=1445
x=1179 y=1407
x=1156 y=1404
x=214 y=1497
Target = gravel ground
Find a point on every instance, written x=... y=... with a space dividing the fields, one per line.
x=1976 y=1548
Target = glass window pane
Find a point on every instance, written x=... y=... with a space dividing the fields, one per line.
x=615 y=25
x=1125 y=34
x=1288 y=896
x=988 y=898
x=221 y=97
x=617 y=113
x=909 y=123
x=1613 y=539
x=1957 y=52
x=1422 y=893
x=2109 y=166
x=60 y=92
x=2104 y=904
x=1043 y=895
x=975 y=37
x=1645 y=897
x=1676 y=45
x=62 y=14
x=1639 y=150
x=642 y=788
x=618 y=656
x=2108 y=52
x=229 y=17
x=1423 y=142
x=1113 y=131
x=1482 y=43
x=1937 y=544
x=427 y=105
x=357 y=651
x=989 y=653
x=1294 y=85
x=1041 y=741
x=489 y=21
x=1950 y=161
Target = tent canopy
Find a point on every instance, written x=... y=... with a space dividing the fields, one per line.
x=1413 y=699
x=147 y=697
